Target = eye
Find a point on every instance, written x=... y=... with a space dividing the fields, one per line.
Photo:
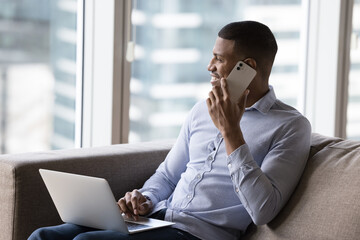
x=218 y=59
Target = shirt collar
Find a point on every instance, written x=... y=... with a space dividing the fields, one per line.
x=264 y=104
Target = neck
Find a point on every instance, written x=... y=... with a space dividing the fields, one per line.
x=255 y=96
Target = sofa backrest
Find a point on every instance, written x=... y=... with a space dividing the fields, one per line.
x=326 y=202
x=25 y=202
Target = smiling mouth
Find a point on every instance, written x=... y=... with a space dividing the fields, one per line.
x=215 y=79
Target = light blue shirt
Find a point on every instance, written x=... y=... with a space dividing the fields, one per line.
x=213 y=195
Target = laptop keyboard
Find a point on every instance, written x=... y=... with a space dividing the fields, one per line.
x=136 y=226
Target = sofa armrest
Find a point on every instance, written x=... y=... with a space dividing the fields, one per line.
x=25 y=202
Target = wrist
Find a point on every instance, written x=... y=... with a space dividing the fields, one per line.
x=149 y=201
x=146 y=207
x=147 y=198
x=233 y=140
x=232 y=134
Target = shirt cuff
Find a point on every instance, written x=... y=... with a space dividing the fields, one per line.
x=239 y=158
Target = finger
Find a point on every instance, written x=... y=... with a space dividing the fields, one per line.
x=210 y=107
x=120 y=203
x=224 y=88
x=135 y=201
x=123 y=207
x=130 y=212
x=212 y=97
x=217 y=92
x=208 y=103
x=243 y=99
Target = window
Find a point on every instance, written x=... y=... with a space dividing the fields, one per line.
x=40 y=64
x=37 y=74
x=174 y=41
x=353 y=116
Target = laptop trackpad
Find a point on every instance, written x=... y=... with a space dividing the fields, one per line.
x=144 y=224
x=132 y=226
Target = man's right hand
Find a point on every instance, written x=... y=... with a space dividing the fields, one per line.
x=134 y=204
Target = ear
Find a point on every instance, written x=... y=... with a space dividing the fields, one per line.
x=251 y=62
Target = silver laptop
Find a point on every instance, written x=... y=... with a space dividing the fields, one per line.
x=89 y=201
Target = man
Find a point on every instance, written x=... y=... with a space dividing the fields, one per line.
x=233 y=163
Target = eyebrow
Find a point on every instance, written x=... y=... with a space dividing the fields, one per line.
x=218 y=55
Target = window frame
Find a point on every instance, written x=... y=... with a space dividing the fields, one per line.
x=326 y=69
x=106 y=74
x=79 y=74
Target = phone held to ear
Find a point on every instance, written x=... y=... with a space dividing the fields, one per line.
x=239 y=79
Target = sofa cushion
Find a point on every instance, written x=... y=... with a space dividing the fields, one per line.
x=326 y=203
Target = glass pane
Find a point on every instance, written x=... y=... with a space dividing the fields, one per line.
x=37 y=74
x=174 y=42
x=353 y=116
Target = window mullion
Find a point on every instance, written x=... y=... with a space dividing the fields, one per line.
x=122 y=73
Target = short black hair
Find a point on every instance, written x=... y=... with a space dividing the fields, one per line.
x=252 y=40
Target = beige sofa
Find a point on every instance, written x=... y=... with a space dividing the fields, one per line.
x=325 y=205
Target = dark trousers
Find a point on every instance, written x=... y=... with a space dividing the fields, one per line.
x=70 y=231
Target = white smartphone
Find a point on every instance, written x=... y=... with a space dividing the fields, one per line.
x=239 y=79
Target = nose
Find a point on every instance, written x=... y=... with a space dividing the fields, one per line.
x=211 y=66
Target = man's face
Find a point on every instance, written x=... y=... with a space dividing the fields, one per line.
x=223 y=61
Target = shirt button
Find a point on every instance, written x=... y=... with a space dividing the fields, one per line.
x=198 y=176
x=210 y=158
x=237 y=189
x=188 y=196
x=229 y=165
